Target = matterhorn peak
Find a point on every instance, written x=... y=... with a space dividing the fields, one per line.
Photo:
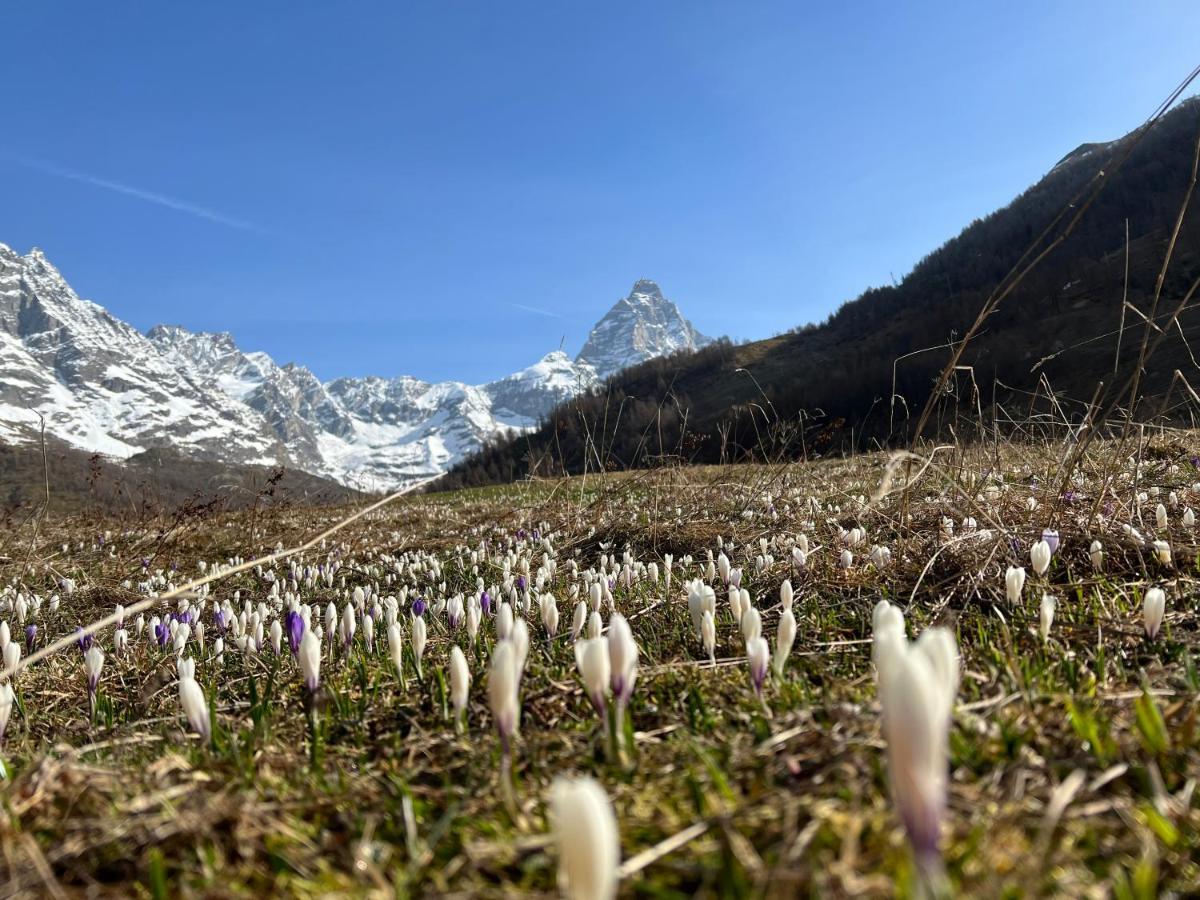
x=641 y=326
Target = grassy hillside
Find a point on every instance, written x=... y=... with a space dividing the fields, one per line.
x=1069 y=757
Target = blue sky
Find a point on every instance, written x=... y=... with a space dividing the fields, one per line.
x=451 y=189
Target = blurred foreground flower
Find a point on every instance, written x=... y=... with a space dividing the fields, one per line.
x=585 y=829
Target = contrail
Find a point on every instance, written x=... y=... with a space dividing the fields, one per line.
x=182 y=206
x=536 y=311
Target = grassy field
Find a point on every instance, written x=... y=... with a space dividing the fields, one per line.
x=1072 y=760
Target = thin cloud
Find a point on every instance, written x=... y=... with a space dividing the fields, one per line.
x=537 y=312
x=117 y=187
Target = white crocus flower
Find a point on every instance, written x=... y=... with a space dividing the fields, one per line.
x=460 y=684
x=585 y=830
x=1154 y=607
x=1039 y=557
x=1047 y=615
x=785 y=637
x=191 y=697
x=1014 y=584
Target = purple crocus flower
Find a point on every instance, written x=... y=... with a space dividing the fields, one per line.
x=220 y=619
x=30 y=637
x=1050 y=536
x=485 y=603
x=520 y=582
x=537 y=535
x=419 y=606
x=84 y=641
x=162 y=631
x=295 y=629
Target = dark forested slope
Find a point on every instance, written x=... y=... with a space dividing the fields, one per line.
x=830 y=386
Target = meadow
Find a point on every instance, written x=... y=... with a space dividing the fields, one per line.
x=586 y=685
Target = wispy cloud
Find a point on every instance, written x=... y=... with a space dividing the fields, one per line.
x=537 y=312
x=183 y=206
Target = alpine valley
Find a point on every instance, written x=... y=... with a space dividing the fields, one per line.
x=102 y=386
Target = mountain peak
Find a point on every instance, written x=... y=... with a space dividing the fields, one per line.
x=639 y=327
x=646 y=286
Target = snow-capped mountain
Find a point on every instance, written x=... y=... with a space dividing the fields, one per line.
x=99 y=383
x=639 y=327
x=103 y=386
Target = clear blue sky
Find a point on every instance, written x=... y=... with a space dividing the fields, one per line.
x=449 y=189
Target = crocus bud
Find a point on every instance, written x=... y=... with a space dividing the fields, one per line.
x=887 y=624
x=585 y=829
x=595 y=626
x=1047 y=615
x=349 y=624
x=368 y=633
x=701 y=597
x=7 y=696
x=1189 y=518
x=786 y=595
x=396 y=648
x=622 y=657
x=310 y=660
x=1039 y=557
x=276 y=638
x=93 y=662
x=785 y=636
x=191 y=697
x=1154 y=607
x=520 y=642
x=1162 y=552
x=1014 y=584
x=917 y=686
x=1160 y=517
x=502 y=692
x=758 y=654
x=549 y=614
x=504 y=621
x=735 y=603
x=1096 y=554
x=751 y=623
x=6 y=705
x=460 y=681
x=592 y=660
x=419 y=636
x=846 y=559
x=579 y=620
x=708 y=634
x=474 y=615
x=1050 y=536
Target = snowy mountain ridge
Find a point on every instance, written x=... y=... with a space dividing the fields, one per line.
x=103 y=386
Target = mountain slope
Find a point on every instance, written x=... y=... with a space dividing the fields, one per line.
x=865 y=373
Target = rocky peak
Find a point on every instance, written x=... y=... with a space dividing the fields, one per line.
x=641 y=326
